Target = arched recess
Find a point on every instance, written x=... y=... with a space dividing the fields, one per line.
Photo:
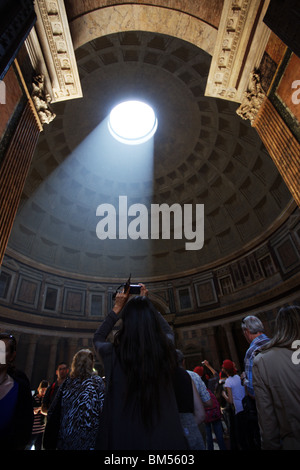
x=118 y=18
x=161 y=305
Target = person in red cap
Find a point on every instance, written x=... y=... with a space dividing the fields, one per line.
x=228 y=364
x=235 y=393
x=199 y=370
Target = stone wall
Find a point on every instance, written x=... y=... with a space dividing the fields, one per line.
x=55 y=315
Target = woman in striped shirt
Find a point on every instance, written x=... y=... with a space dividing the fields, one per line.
x=39 y=422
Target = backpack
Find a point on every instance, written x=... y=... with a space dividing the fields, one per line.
x=213 y=413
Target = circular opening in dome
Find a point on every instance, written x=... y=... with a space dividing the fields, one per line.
x=132 y=122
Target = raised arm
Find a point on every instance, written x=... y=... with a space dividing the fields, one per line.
x=103 y=347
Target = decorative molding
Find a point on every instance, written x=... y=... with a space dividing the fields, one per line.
x=252 y=98
x=242 y=37
x=56 y=47
x=41 y=100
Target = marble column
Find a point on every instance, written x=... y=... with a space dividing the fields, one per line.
x=52 y=359
x=30 y=356
x=231 y=344
x=213 y=347
x=73 y=347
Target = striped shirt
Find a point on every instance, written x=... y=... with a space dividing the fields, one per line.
x=39 y=421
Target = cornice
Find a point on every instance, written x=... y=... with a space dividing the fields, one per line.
x=241 y=40
x=50 y=43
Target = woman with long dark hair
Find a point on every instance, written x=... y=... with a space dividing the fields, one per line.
x=276 y=381
x=140 y=405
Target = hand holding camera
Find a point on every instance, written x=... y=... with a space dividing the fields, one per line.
x=135 y=289
x=121 y=296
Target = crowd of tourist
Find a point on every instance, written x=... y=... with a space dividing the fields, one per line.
x=149 y=400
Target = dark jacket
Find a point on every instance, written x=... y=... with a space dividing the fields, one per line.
x=22 y=423
x=125 y=427
x=276 y=381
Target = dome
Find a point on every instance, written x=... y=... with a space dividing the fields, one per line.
x=202 y=154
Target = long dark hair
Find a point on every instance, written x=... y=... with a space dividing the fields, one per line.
x=287 y=328
x=146 y=355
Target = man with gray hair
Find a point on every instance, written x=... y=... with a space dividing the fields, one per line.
x=253 y=330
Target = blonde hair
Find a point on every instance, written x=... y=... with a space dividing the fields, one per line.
x=82 y=365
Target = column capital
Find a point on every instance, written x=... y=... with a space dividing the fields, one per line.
x=252 y=99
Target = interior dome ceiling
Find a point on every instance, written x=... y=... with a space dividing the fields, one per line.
x=203 y=153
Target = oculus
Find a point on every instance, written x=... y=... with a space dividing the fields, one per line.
x=132 y=122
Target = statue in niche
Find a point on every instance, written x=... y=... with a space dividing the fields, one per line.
x=252 y=98
x=41 y=100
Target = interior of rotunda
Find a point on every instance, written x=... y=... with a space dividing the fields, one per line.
x=223 y=78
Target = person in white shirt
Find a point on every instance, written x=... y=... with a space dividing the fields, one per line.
x=234 y=395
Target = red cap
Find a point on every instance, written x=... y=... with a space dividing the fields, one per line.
x=199 y=370
x=228 y=364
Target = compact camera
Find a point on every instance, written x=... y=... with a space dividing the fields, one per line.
x=135 y=289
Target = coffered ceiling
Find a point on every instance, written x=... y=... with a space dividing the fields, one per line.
x=202 y=153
